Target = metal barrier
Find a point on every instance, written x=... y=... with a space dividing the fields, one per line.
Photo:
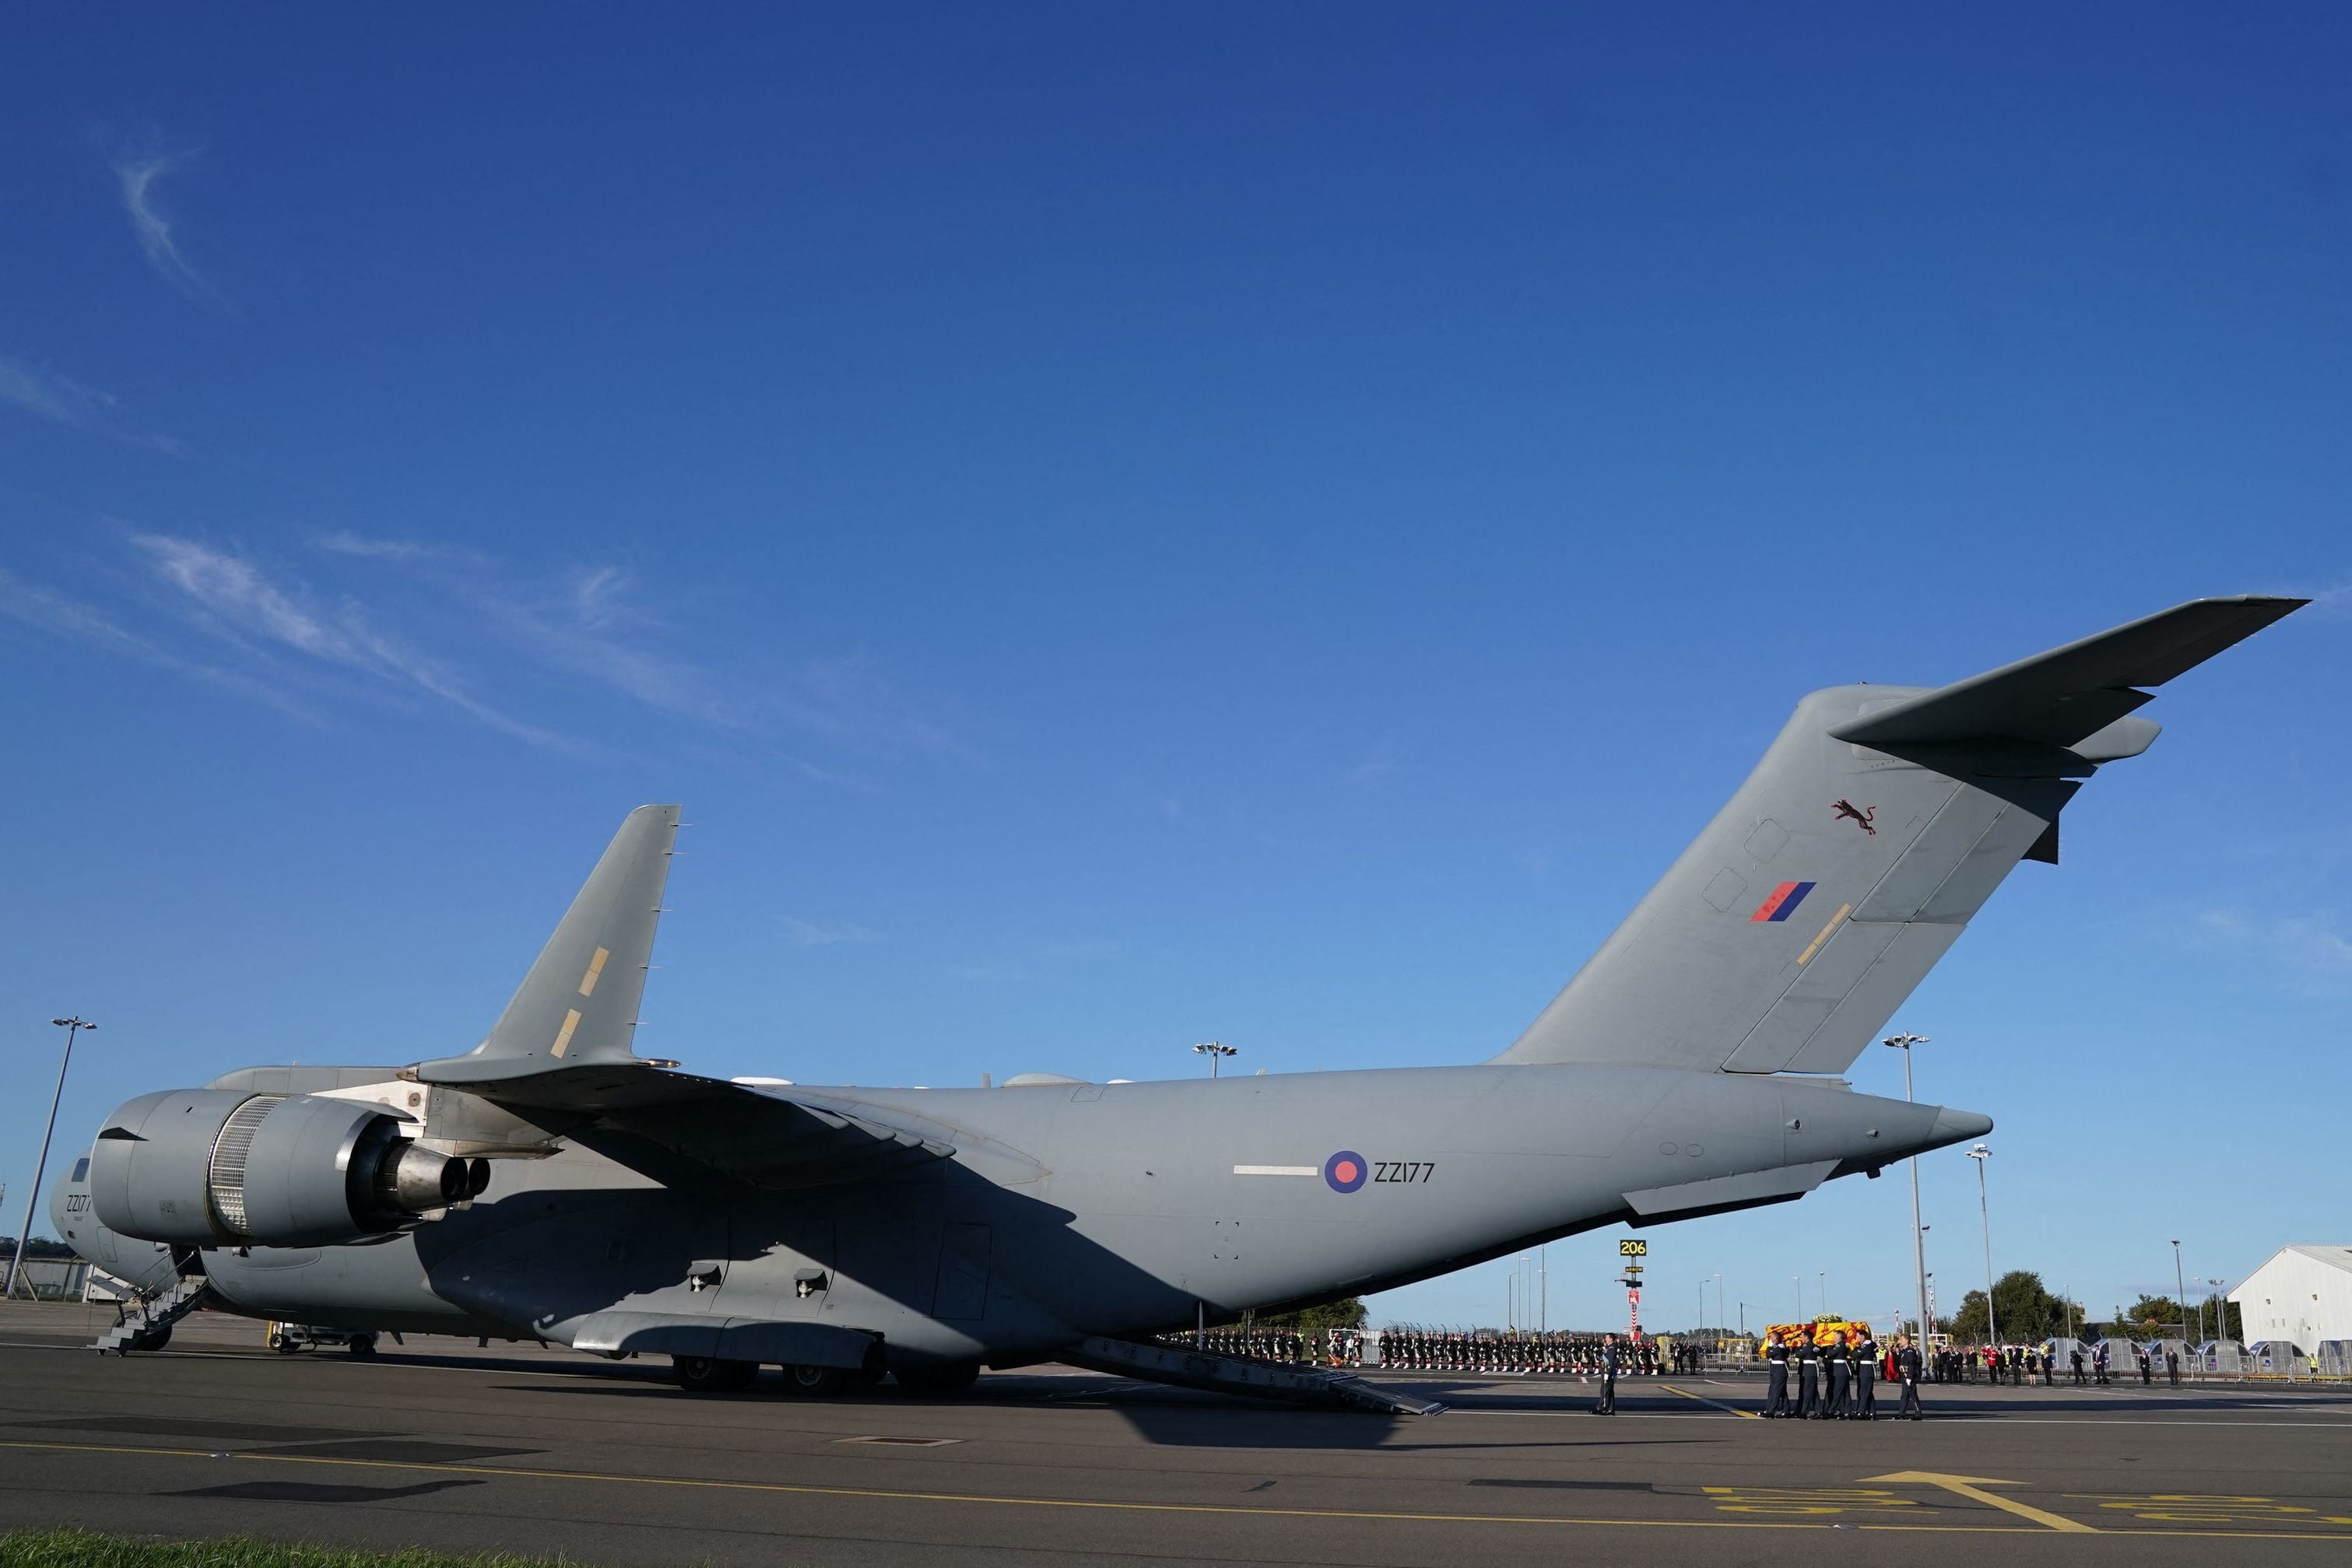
x=51 y=1279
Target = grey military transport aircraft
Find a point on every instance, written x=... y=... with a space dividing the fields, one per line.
x=548 y=1183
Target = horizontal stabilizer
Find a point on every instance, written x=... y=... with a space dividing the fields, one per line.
x=2070 y=694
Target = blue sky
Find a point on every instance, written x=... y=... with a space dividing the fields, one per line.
x=1126 y=527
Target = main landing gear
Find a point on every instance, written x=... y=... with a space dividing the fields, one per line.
x=710 y=1375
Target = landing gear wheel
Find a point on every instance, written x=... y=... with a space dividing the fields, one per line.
x=282 y=1344
x=362 y=1347
x=710 y=1375
x=816 y=1381
x=939 y=1380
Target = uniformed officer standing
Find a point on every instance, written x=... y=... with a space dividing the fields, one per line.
x=1776 y=1388
x=2147 y=1372
x=1608 y=1405
x=2074 y=1359
x=1809 y=1371
x=1907 y=1367
x=1865 y=1375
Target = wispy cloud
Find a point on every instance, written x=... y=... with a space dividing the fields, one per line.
x=403 y=618
x=597 y=596
x=345 y=543
x=828 y=933
x=985 y=974
x=47 y=395
x=2317 y=947
x=45 y=609
x=242 y=602
x=137 y=178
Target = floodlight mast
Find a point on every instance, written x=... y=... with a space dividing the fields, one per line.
x=72 y=1026
x=1904 y=1042
x=1215 y=1053
x=1980 y=1155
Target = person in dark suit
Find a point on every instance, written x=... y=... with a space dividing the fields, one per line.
x=2075 y=1359
x=1607 y=1404
x=2172 y=1366
x=1865 y=1375
x=1838 y=1361
x=1907 y=1367
x=1809 y=1376
x=1776 y=1386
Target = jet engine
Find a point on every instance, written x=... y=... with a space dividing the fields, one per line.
x=208 y=1167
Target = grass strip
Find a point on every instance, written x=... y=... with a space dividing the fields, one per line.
x=90 y=1549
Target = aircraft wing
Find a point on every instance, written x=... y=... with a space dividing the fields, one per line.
x=650 y=1120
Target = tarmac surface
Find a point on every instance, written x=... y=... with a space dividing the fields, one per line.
x=448 y=1445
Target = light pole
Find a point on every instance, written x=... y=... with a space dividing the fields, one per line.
x=72 y=1026
x=1904 y=1042
x=2181 y=1285
x=1798 y=1280
x=2220 y=1313
x=1984 y=1211
x=1543 y=1290
x=1215 y=1053
x=1718 y=1304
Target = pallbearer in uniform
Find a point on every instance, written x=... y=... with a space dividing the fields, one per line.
x=1907 y=1367
x=1865 y=1374
x=1776 y=1388
x=1809 y=1371
x=1840 y=1360
x=1608 y=1405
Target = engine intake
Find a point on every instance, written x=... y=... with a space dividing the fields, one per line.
x=209 y=1167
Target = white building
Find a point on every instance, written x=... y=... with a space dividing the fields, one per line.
x=2303 y=1294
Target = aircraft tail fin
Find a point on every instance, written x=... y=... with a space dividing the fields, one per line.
x=578 y=1005
x=1877 y=825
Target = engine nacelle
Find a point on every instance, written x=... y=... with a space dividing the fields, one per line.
x=208 y=1167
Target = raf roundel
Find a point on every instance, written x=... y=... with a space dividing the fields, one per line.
x=1346 y=1171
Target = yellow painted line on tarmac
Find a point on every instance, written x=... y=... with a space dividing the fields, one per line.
x=612 y=1479
x=1718 y=1404
x=1973 y=1488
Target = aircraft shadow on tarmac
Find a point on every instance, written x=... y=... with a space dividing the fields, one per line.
x=1171 y=1418
x=325 y=1491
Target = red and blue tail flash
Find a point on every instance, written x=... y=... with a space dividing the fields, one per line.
x=1783 y=901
